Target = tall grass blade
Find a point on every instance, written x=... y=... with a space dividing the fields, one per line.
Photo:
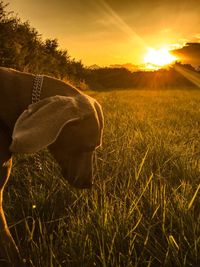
x=193 y=198
x=141 y=165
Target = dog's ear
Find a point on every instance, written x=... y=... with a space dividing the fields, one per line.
x=39 y=125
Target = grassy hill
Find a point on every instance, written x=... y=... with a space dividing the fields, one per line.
x=144 y=208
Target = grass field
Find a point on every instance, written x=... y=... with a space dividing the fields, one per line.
x=144 y=209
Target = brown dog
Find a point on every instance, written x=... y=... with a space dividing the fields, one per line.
x=65 y=120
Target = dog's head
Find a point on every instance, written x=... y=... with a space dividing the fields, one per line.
x=71 y=127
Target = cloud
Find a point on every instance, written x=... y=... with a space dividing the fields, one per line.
x=189 y=53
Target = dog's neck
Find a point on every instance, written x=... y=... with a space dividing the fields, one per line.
x=16 y=93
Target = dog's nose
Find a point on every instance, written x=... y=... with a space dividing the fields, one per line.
x=81 y=183
x=79 y=171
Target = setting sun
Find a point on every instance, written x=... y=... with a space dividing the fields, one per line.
x=158 y=58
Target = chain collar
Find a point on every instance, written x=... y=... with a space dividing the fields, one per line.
x=37 y=87
x=36 y=93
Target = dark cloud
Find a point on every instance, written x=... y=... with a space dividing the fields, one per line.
x=190 y=53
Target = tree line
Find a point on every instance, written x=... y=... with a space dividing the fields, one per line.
x=22 y=48
x=121 y=78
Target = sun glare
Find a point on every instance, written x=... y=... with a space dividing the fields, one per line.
x=155 y=59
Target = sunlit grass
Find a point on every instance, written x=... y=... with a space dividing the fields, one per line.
x=144 y=208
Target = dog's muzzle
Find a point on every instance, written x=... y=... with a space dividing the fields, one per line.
x=79 y=171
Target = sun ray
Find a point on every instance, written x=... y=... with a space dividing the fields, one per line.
x=120 y=23
x=188 y=74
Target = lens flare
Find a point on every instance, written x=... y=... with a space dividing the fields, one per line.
x=158 y=58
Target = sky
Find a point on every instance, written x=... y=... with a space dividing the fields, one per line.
x=105 y=32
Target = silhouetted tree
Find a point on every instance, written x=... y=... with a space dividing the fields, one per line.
x=22 y=48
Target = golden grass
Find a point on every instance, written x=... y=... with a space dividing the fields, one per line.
x=144 y=208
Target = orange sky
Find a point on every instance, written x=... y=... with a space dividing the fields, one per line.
x=113 y=31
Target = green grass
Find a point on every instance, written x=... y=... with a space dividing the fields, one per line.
x=144 y=209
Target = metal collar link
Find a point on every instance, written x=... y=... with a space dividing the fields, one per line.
x=37 y=87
